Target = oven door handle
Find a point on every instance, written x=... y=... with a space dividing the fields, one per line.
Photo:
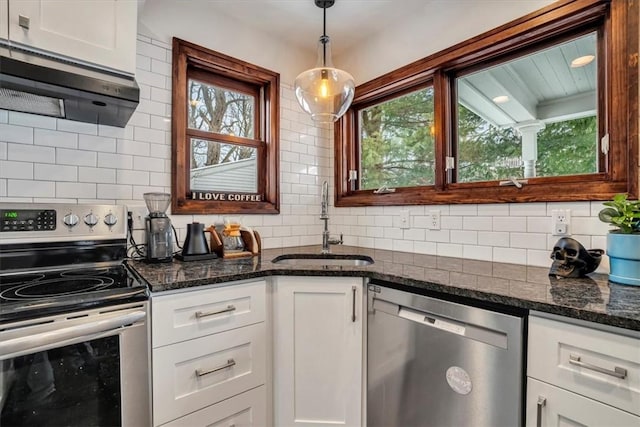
x=65 y=336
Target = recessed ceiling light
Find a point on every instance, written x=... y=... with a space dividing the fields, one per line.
x=501 y=99
x=582 y=61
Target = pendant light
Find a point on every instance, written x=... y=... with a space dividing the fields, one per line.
x=324 y=92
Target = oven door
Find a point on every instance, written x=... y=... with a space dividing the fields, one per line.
x=87 y=368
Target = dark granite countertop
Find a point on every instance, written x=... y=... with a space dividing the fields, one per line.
x=592 y=298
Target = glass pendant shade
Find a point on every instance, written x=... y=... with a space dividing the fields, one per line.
x=324 y=92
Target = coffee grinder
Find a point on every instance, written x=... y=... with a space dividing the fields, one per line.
x=158 y=228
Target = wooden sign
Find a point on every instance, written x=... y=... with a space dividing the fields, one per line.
x=225 y=197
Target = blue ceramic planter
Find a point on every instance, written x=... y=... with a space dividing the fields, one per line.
x=624 y=258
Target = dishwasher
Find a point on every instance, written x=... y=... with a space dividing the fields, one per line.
x=437 y=363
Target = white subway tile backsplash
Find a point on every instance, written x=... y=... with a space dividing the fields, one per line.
x=430 y=248
x=483 y=253
x=31 y=120
x=465 y=237
x=132 y=177
x=3 y=150
x=136 y=148
x=102 y=175
x=528 y=240
x=114 y=191
x=505 y=223
x=77 y=127
x=539 y=258
x=30 y=188
x=97 y=143
x=148 y=164
x=76 y=190
x=17 y=170
x=30 y=153
x=402 y=245
x=588 y=225
x=494 y=209
x=4 y=116
x=161 y=67
x=49 y=172
x=115 y=161
x=3 y=188
x=493 y=238
x=536 y=224
x=510 y=255
x=480 y=223
x=75 y=157
x=528 y=209
x=116 y=132
x=463 y=210
x=149 y=135
x=54 y=138
x=17 y=134
x=449 y=250
x=145 y=48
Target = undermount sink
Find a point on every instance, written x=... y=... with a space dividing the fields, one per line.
x=323 y=259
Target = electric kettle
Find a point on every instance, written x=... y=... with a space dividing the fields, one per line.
x=195 y=243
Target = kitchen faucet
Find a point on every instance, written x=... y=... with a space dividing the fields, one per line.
x=324 y=215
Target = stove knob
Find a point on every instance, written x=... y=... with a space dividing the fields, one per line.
x=110 y=219
x=70 y=220
x=90 y=219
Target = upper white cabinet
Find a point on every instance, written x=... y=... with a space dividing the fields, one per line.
x=4 y=20
x=318 y=351
x=97 y=32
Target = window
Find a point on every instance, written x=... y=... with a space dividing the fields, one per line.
x=548 y=102
x=225 y=134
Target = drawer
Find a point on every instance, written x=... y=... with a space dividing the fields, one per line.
x=563 y=408
x=193 y=314
x=585 y=360
x=191 y=375
x=244 y=410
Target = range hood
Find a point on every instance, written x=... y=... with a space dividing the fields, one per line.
x=36 y=84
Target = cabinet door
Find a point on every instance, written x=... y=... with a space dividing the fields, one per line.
x=318 y=351
x=563 y=408
x=4 y=20
x=100 y=32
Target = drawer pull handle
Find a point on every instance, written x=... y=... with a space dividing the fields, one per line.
x=353 y=304
x=617 y=371
x=230 y=363
x=200 y=314
x=542 y=402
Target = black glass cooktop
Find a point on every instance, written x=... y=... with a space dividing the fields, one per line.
x=36 y=294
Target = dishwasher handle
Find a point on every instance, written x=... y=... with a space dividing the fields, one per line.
x=433 y=321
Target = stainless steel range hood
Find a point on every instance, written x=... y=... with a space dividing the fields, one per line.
x=32 y=83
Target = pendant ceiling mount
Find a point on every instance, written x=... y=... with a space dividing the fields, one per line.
x=324 y=92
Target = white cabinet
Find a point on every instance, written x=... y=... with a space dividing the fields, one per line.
x=581 y=375
x=318 y=351
x=96 y=32
x=209 y=347
x=4 y=20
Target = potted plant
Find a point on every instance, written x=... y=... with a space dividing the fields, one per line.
x=623 y=241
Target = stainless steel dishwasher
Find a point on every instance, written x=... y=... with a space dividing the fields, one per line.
x=438 y=363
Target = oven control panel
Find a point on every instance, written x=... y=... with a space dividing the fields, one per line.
x=35 y=222
x=27 y=219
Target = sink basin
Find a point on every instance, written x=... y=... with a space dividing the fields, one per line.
x=323 y=259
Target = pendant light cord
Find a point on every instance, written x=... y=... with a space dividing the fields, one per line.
x=324 y=36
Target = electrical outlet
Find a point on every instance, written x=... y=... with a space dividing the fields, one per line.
x=434 y=220
x=405 y=219
x=138 y=214
x=560 y=220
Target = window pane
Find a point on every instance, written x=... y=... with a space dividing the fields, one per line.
x=220 y=110
x=217 y=166
x=397 y=142
x=533 y=116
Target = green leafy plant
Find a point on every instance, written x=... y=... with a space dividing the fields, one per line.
x=622 y=213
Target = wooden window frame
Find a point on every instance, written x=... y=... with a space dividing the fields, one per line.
x=617 y=108
x=191 y=61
